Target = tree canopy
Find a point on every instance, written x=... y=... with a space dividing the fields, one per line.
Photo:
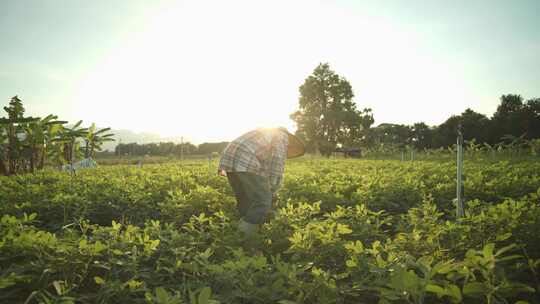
x=327 y=116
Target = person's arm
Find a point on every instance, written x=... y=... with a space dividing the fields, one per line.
x=226 y=159
x=277 y=162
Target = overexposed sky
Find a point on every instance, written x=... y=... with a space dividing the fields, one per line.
x=210 y=70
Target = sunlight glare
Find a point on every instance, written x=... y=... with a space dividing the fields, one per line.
x=211 y=71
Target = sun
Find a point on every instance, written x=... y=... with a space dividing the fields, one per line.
x=171 y=80
x=210 y=71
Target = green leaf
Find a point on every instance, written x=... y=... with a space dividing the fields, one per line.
x=343 y=229
x=404 y=280
x=510 y=257
x=162 y=295
x=98 y=247
x=426 y=261
x=443 y=267
x=77 y=124
x=204 y=295
x=133 y=284
x=99 y=280
x=474 y=289
x=503 y=237
x=115 y=225
x=356 y=247
x=515 y=287
x=9 y=280
x=470 y=254
x=58 y=287
x=351 y=263
x=505 y=249
x=438 y=290
x=192 y=298
x=454 y=292
x=488 y=250
x=102 y=131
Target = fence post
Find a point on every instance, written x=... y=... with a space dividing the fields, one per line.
x=209 y=165
x=459 y=179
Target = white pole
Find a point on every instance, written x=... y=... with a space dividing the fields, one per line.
x=459 y=187
x=209 y=165
x=182 y=148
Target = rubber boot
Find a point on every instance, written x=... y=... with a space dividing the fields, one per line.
x=249 y=239
x=247 y=228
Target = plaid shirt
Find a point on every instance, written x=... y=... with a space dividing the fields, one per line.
x=262 y=151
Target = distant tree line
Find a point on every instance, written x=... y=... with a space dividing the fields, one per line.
x=328 y=120
x=513 y=119
x=348 y=127
x=168 y=149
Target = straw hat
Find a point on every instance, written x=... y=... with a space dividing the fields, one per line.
x=295 y=148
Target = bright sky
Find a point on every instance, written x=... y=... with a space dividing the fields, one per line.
x=210 y=70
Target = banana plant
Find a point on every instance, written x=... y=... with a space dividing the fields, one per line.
x=14 y=151
x=69 y=145
x=474 y=148
x=499 y=147
x=489 y=150
x=26 y=142
x=39 y=135
x=514 y=143
x=94 y=140
x=54 y=129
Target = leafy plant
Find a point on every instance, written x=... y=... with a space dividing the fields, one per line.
x=344 y=231
x=94 y=139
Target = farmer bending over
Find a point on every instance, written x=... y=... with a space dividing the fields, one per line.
x=253 y=164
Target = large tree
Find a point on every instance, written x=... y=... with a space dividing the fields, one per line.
x=510 y=118
x=474 y=125
x=421 y=135
x=327 y=116
x=394 y=135
x=532 y=118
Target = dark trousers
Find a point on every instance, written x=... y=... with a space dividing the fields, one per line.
x=253 y=195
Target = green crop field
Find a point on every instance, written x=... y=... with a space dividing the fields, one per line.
x=343 y=231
